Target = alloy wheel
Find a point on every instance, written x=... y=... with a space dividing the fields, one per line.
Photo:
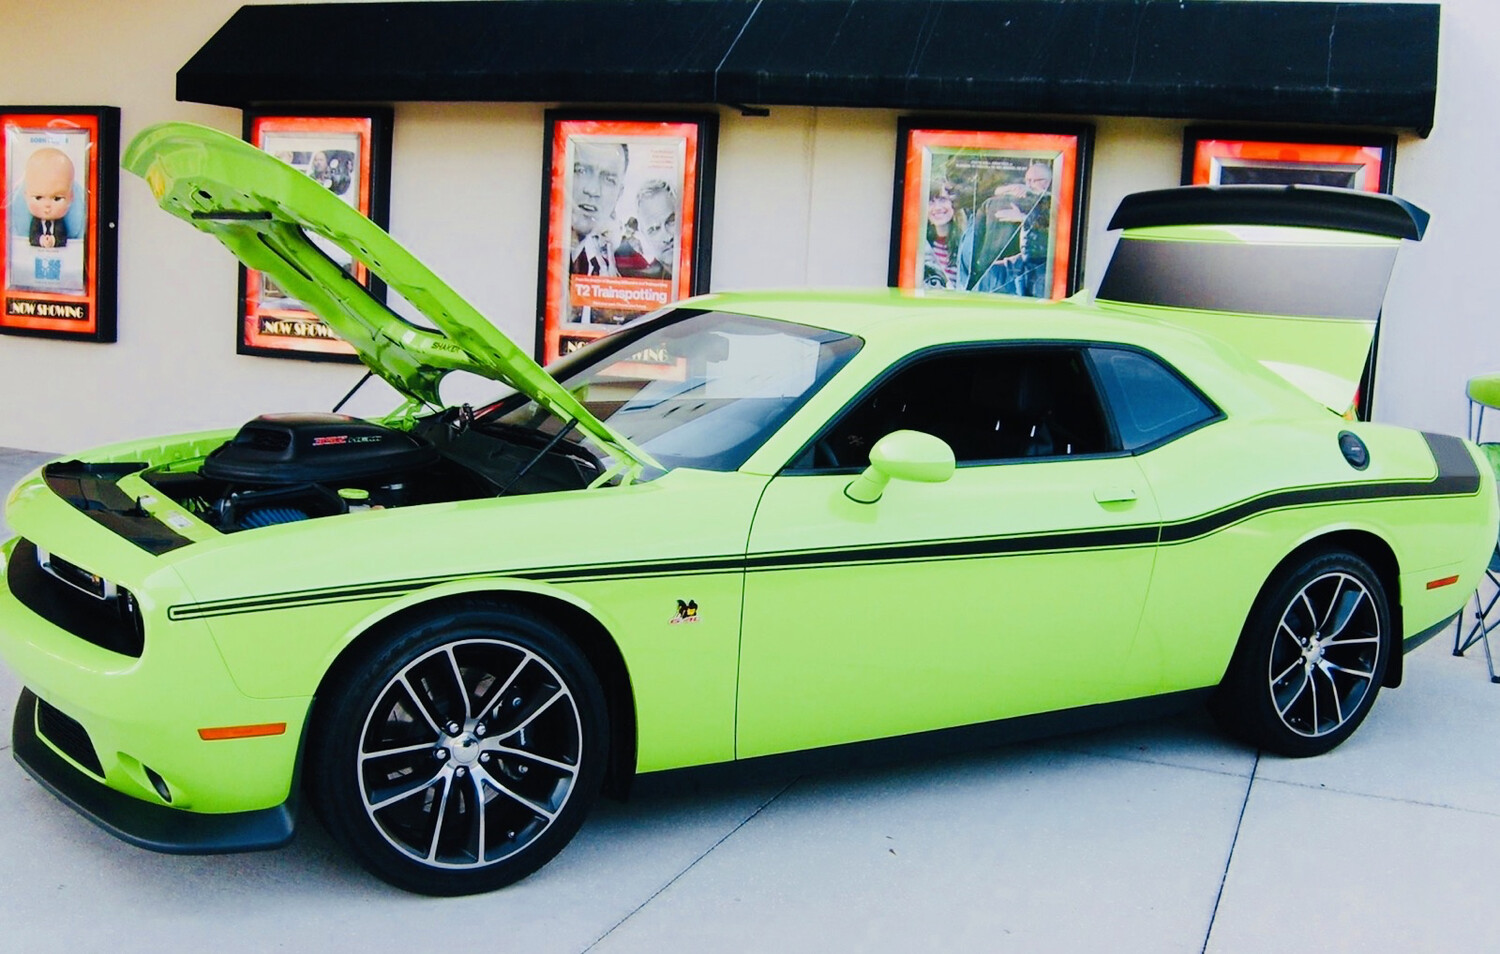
x=470 y=753
x=1324 y=655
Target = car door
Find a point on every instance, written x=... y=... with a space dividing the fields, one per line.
x=1014 y=587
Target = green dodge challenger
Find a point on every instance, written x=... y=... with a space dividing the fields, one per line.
x=747 y=525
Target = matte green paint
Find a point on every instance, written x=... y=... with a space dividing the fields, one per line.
x=1200 y=585
x=845 y=653
x=148 y=711
x=684 y=674
x=935 y=620
x=823 y=655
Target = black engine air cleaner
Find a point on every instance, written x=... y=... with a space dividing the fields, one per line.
x=280 y=449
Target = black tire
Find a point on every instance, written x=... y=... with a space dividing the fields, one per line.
x=1310 y=659
x=463 y=753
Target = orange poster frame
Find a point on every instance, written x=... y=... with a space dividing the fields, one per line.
x=349 y=152
x=626 y=218
x=61 y=238
x=1220 y=156
x=1018 y=197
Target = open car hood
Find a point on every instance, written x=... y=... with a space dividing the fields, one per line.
x=1293 y=276
x=263 y=210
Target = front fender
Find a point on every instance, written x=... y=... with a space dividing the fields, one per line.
x=487 y=586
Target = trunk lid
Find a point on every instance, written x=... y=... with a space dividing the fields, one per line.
x=1292 y=275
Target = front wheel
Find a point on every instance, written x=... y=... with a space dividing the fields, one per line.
x=464 y=754
x=1310 y=659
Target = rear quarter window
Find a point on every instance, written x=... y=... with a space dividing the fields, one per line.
x=1151 y=403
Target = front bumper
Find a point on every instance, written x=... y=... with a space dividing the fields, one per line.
x=156 y=827
x=117 y=735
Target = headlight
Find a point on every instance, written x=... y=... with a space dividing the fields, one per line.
x=75 y=576
x=92 y=584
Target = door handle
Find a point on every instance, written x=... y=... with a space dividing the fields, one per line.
x=1109 y=495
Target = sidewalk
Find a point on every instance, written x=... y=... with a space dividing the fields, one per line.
x=1156 y=837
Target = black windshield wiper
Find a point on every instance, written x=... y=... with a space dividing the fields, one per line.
x=546 y=449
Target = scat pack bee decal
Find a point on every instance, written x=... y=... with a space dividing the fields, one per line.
x=687 y=612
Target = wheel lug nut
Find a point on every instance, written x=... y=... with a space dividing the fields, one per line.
x=441 y=755
x=484 y=757
x=480 y=729
x=453 y=728
x=521 y=770
x=460 y=771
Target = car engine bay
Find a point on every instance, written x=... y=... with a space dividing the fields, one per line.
x=282 y=468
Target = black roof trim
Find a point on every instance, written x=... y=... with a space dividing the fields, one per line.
x=1327 y=63
x=1314 y=207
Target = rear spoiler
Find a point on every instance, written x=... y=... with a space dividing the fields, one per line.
x=1299 y=206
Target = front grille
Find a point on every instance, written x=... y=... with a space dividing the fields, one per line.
x=70 y=738
x=92 y=620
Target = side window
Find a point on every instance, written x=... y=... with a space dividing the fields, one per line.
x=1150 y=401
x=989 y=404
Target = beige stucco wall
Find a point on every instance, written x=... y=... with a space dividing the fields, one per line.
x=803 y=198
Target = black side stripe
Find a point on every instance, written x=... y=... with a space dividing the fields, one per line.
x=1447 y=484
x=393 y=588
x=1455 y=464
x=1457 y=476
x=973 y=548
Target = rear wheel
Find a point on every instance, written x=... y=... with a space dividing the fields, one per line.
x=1310 y=659
x=464 y=755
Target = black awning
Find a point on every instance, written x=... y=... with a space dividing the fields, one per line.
x=1331 y=64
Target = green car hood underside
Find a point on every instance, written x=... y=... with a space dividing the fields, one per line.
x=263 y=211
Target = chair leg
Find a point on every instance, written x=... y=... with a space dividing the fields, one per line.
x=1480 y=631
x=1489 y=660
x=1458 y=626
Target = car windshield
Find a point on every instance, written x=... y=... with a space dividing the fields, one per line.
x=698 y=389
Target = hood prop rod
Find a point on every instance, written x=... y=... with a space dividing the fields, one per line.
x=345 y=399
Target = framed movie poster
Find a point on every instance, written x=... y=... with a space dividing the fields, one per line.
x=627 y=215
x=349 y=153
x=61 y=177
x=990 y=210
x=1228 y=157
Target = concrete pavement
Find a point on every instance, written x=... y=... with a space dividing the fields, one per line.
x=1159 y=836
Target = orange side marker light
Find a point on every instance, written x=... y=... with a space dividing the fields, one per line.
x=1445 y=581
x=242 y=731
